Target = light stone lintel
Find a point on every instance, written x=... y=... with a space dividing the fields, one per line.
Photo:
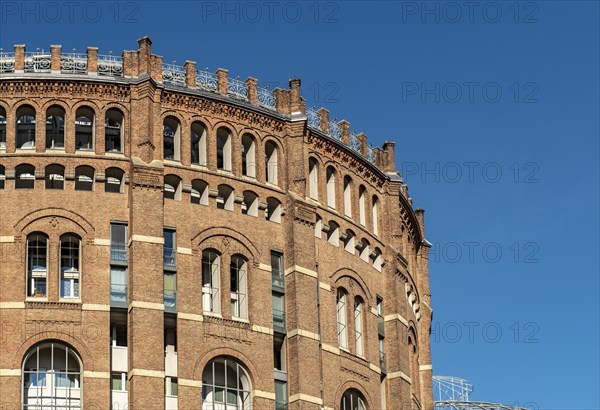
x=325 y=286
x=146 y=305
x=262 y=329
x=147 y=239
x=263 y=394
x=396 y=316
x=7 y=239
x=184 y=251
x=305 y=397
x=12 y=305
x=10 y=372
x=190 y=316
x=96 y=375
x=303 y=333
x=401 y=375
x=101 y=242
x=95 y=307
x=265 y=267
x=302 y=270
x=159 y=374
x=189 y=383
x=330 y=349
x=426 y=367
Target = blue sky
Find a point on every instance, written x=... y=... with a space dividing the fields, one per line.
x=495 y=110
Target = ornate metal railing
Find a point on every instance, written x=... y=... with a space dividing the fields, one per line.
x=38 y=62
x=206 y=81
x=371 y=154
x=173 y=74
x=7 y=62
x=354 y=142
x=312 y=118
x=266 y=98
x=237 y=89
x=335 y=131
x=73 y=63
x=110 y=65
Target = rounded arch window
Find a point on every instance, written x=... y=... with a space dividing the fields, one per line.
x=55 y=127
x=84 y=128
x=51 y=376
x=225 y=385
x=2 y=128
x=113 y=130
x=353 y=400
x=171 y=138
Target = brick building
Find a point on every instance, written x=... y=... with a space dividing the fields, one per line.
x=174 y=238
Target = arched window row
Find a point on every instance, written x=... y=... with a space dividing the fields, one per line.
x=58 y=125
x=54 y=176
x=348 y=240
x=214 y=279
x=224 y=149
x=355 y=203
x=225 y=198
x=69 y=265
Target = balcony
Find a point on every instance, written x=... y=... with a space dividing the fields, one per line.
x=381 y=326
x=279 y=321
x=118 y=252
x=170 y=298
x=170 y=258
x=382 y=362
x=118 y=295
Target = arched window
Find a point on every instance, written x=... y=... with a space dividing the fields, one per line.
x=318 y=227
x=250 y=204
x=413 y=359
x=198 y=143
x=375 y=215
x=225 y=385
x=364 y=250
x=362 y=192
x=172 y=189
x=171 y=138
x=69 y=266
x=271 y=162
x=37 y=264
x=358 y=326
x=84 y=178
x=331 y=187
x=377 y=259
x=84 y=128
x=211 y=279
x=342 y=320
x=238 y=270
x=225 y=197
x=26 y=127
x=24 y=176
x=273 y=210
x=114 y=180
x=51 y=377
x=55 y=127
x=114 y=130
x=2 y=128
x=352 y=400
x=55 y=176
x=333 y=235
x=2 y=176
x=199 y=193
x=348 y=196
x=349 y=242
x=248 y=156
x=224 y=149
x=313 y=178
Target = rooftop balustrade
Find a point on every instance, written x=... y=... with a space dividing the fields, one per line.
x=131 y=64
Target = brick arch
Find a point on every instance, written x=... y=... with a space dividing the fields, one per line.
x=351 y=384
x=87 y=103
x=235 y=132
x=84 y=228
x=49 y=103
x=85 y=354
x=210 y=238
x=26 y=101
x=244 y=360
x=338 y=276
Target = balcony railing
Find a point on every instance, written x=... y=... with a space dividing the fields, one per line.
x=170 y=257
x=118 y=293
x=206 y=81
x=118 y=252
x=381 y=326
x=266 y=98
x=382 y=362
x=279 y=321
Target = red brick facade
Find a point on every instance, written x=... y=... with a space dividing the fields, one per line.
x=295 y=215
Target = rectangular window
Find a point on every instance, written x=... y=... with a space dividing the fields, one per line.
x=277 y=273
x=171 y=386
x=118 y=284
x=278 y=301
x=118 y=381
x=118 y=242
x=281 y=396
x=211 y=272
x=170 y=249
x=118 y=335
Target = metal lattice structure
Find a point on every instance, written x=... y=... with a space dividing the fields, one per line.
x=452 y=393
